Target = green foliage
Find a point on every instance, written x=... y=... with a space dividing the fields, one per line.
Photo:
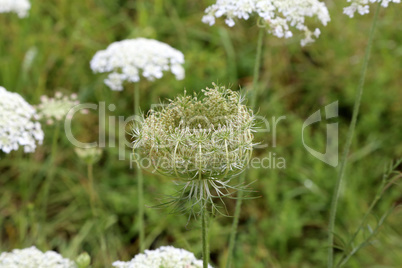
x=287 y=225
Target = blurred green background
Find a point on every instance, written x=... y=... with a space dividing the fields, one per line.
x=287 y=225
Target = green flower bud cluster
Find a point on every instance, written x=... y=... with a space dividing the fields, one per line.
x=203 y=140
x=89 y=155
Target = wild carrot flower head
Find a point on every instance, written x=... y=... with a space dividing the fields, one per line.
x=18 y=125
x=167 y=257
x=55 y=109
x=21 y=7
x=34 y=258
x=277 y=15
x=89 y=155
x=362 y=6
x=203 y=140
x=128 y=59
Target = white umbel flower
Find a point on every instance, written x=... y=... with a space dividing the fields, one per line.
x=18 y=125
x=21 y=7
x=128 y=59
x=166 y=257
x=34 y=258
x=362 y=6
x=56 y=109
x=278 y=15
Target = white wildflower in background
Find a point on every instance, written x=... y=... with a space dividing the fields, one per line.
x=128 y=59
x=166 y=257
x=29 y=59
x=34 y=258
x=362 y=6
x=18 y=125
x=277 y=15
x=21 y=7
x=55 y=109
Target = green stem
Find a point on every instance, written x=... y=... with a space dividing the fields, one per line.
x=367 y=239
x=95 y=214
x=141 y=209
x=377 y=198
x=231 y=54
x=51 y=171
x=255 y=92
x=137 y=108
x=349 y=138
x=205 y=244
x=344 y=260
x=140 y=184
x=235 y=223
x=23 y=222
x=91 y=188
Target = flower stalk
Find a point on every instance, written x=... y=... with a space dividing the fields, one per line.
x=257 y=64
x=51 y=171
x=91 y=188
x=349 y=138
x=205 y=240
x=140 y=179
x=239 y=201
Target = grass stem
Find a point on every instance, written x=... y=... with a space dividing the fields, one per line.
x=205 y=242
x=140 y=182
x=91 y=188
x=235 y=223
x=349 y=138
x=256 y=74
x=51 y=170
